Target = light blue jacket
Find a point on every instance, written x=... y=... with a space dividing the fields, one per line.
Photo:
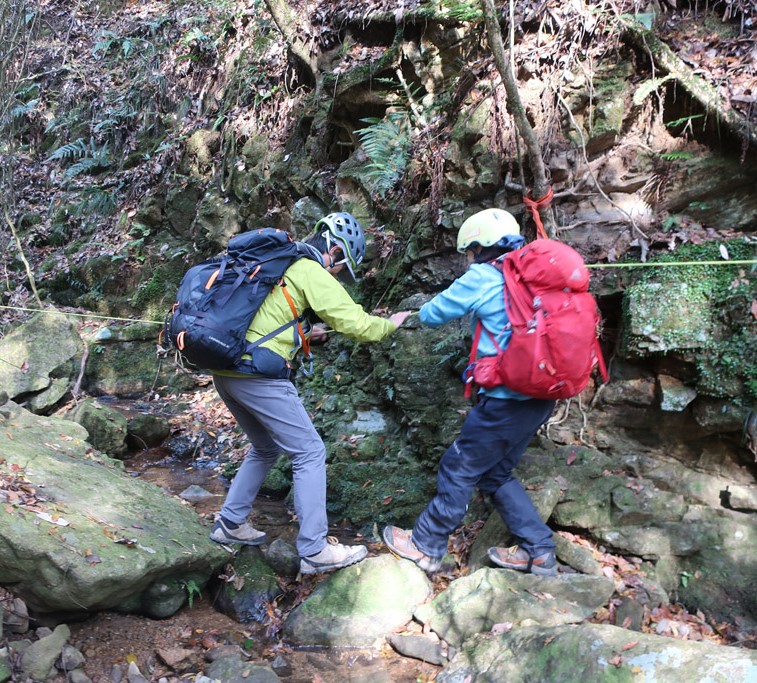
x=478 y=293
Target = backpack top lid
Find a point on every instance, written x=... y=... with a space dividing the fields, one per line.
x=546 y=264
x=250 y=245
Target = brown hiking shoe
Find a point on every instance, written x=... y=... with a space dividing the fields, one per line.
x=518 y=559
x=400 y=542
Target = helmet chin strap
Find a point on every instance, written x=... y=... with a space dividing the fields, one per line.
x=330 y=244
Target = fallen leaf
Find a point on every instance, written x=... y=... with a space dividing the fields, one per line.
x=53 y=519
x=630 y=645
x=209 y=642
x=130 y=542
x=617 y=661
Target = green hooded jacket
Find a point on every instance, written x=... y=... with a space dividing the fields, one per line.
x=312 y=287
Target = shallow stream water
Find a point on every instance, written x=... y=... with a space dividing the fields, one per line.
x=109 y=638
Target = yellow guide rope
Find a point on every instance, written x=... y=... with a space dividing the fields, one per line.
x=649 y=264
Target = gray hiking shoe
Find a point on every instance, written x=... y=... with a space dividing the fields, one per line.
x=333 y=556
x=244 y=534
x=517 y=558
x=400 y=542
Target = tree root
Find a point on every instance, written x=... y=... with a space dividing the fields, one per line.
x=697 y=88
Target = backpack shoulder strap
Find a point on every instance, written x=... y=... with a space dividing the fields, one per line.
x=468 y=372
x=519 y=299
x=300 y=331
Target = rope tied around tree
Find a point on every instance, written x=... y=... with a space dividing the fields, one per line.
x=533 y=205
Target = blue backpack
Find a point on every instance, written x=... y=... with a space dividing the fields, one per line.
x=218 y=298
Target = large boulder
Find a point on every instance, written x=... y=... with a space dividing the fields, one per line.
x=122 y=361
x=79 y=535
x=593 y=652
x=359 y=604
x=474 y=604
x=40 y=359
x=106 y=427
x=660 y=510
x=253 y=586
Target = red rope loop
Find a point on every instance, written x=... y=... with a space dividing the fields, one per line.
x=533 y=205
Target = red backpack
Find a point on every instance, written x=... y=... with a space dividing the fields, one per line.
x=554 y=320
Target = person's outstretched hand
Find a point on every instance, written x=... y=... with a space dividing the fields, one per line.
x=318 y=335
x=400 y=316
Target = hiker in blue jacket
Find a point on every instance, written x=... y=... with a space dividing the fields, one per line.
x=497 y=430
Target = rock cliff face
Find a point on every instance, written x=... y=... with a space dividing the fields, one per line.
x=400 y=117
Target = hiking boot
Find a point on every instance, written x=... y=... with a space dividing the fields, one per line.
x=333 y=556
x=243 y=534
x=400 y=542
x=517 y=558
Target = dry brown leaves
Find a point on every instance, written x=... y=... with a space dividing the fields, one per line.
x=723 y=53
x=672 y=620
x=17 y=491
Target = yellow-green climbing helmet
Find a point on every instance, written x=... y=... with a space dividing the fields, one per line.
x=486 y=228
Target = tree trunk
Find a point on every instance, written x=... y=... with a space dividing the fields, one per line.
x=515 y=105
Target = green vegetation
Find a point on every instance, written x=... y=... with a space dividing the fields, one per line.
x=463 y=10
x=192 y=590
x=714 y=308
x=386 y=142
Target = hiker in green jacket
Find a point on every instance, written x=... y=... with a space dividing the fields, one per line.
x=270 y=410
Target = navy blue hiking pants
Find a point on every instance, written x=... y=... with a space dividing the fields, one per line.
x=492 y=441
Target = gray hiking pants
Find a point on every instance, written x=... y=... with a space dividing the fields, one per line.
x=272 y=415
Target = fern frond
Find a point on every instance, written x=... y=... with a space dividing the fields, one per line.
x=73 y=150
x=82 y=166
x=685 y=119
x=648 y=87
x=386 y=144
x=96 y=202
x=676 y=156
x=105 y=125
x=23 y=109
